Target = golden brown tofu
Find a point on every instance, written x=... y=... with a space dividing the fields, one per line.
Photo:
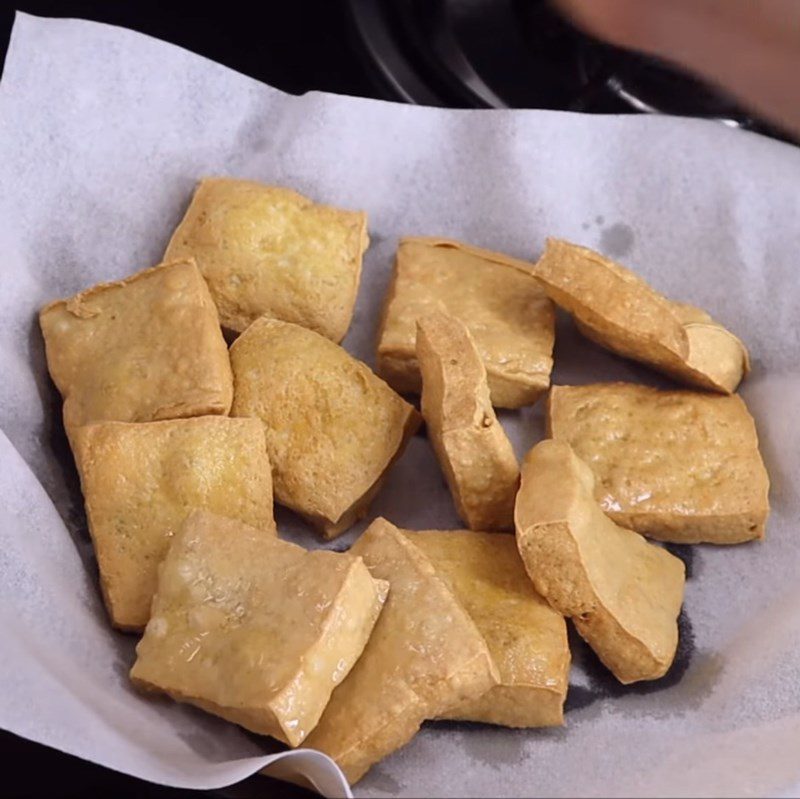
x=507 y=313
x=673 y=465
x=472 y=448
x=424 y=657
x=333 y=428
x=616 y=308
x=137 y=350
x=139 y=483
x=623 y=593
x=266 y=250
x=527 y=639
x=255 y=629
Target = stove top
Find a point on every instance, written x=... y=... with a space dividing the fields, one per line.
x=519 y=54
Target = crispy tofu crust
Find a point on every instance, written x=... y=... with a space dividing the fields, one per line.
x=139 y=483
x=333 y=428
x=615 y=308
x=472 y=448
x=141 y=349
x=508 y=315
x=677 y=466
x=527 y=639
x=255 y=629
x=269 y=250
x=424 y=657
x=623 y=593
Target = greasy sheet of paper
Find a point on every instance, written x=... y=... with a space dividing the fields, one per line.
x=103 y=133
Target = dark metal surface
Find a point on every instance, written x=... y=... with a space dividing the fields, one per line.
x=520 y=54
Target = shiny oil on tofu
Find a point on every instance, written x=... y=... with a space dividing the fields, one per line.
x=255 y=629
x=140 y=481
x=471 y=446
x=678 y=466
x=425 y=656
x=622 y=593
x=617 y=309
x=507 y=313
x=527 y=639
x=333 y=428
x=269 y=250
x=137 y=350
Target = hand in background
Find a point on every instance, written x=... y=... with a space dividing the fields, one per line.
x=749 y=47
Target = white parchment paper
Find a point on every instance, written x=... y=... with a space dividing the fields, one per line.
x=103 y=133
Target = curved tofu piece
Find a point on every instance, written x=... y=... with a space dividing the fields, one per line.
x=527 y=639
x=424 y=657
x=623 y=594
x=673 y=465
x=140 y=481
x=472 y=448
x=507 y=313
x=333 y=428
x=616 y=308
x=138 y=350
x=269 y=250
x=255 y=629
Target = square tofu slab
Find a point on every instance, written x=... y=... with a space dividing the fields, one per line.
x=526 y=638
x=139 y=483
x=424 y=657
x=472 y=448
x=255 y=629
x=673 y=465
x=623 y=593
x=333 y=428
x=137 y=350
x=269 y=250
x=616 y=308
x=507 y=313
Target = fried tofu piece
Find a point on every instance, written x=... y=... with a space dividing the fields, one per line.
x=615 y=308
x=425 y=656
x=266 y=250
x=507 y=313
x=255 y=629
x=623 y=593
x=472 y=448
x=138 y=350
x=139 y=483
x=333 y=428
x=527 y=639
x=677 y=466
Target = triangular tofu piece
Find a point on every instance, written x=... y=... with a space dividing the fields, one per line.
x=333 y=427
x=255 y=629
x=508 y=314
x=269 y=250
x=139 y=483
x=144 y=348
x=679 y=466
x=617 y=309
x=425 y=657
x=623 y=593
x=472 y=448
x=526 y=638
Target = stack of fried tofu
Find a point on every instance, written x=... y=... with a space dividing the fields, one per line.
x=182 y=442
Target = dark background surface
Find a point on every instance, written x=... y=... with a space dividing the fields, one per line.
x=295 y=45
